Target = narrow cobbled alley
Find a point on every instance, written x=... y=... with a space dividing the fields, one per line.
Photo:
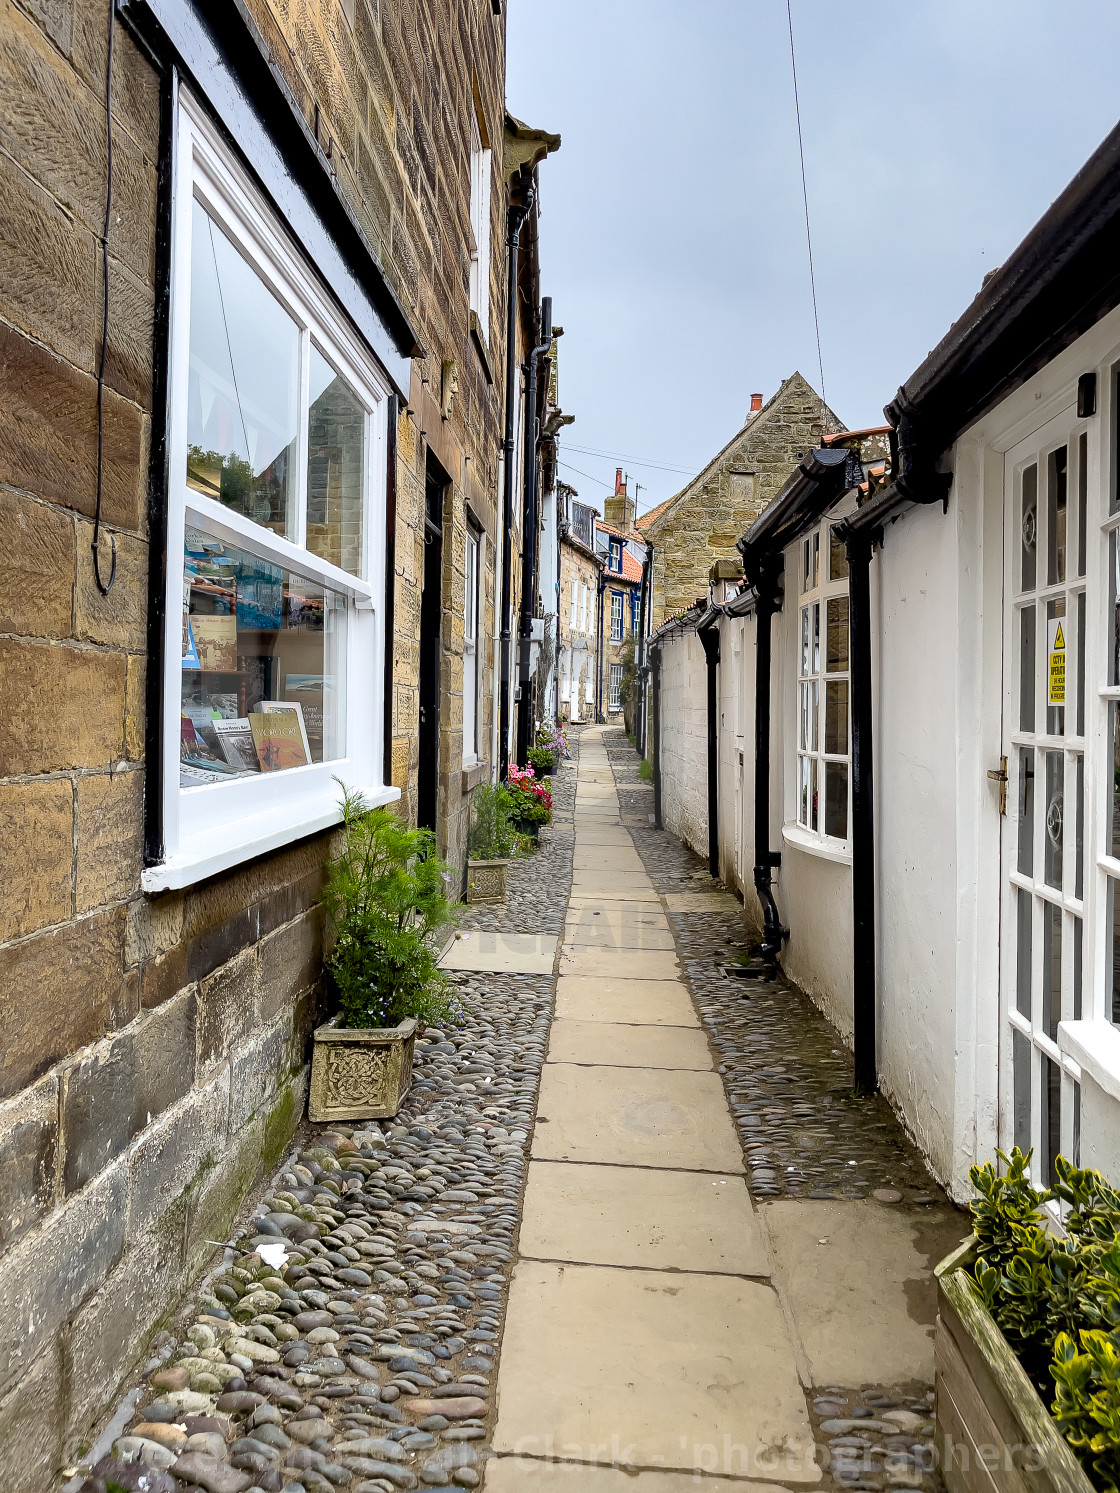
x=631 y=1230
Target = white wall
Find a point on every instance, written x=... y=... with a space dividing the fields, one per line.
x=684 y=740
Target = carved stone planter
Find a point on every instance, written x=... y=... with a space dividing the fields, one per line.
x=486 y=881
x=362 y=1074
x=994 y=1434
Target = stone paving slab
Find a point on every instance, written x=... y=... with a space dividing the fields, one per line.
x=652 y=1368
x=511 y=1474
x=628 y=1045
x=635 y=1117
x=607 y=858
x=618 y=933
x=502 y=953
x=612 y=897
x=845 y=1262
x=648 y=1002
x=640 y=1218
x=619 y=964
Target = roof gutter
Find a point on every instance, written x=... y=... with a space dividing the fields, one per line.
x=817 y=483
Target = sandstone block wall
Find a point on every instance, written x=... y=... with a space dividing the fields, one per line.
x=154 y=1051
x=706 y=519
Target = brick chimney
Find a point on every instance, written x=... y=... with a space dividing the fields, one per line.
x=756 y=405
x=618 y=509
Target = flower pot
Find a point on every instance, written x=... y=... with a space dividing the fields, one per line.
x=486 y=881
x=993 y=1430
x=360 y=1074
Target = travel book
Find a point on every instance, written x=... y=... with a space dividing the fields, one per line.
x=275 y=707
x=215 y=641
x=279 y=739
x=235 y=738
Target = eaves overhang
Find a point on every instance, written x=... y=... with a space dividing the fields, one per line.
x=818 y=482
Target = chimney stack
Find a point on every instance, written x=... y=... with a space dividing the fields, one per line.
x=618 y=509
x=756 y=405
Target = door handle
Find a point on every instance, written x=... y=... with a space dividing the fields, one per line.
x=1000 y=777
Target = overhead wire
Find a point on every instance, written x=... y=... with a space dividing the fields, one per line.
x=805 y=192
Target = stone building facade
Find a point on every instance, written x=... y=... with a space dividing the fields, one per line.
x=697 y=529
x=580 y=569
x=155 y=1018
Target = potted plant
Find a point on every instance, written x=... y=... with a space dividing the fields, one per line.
x=542 y=761
x=386 y=897
x=490 y=844
x=1027 y=1342
x=531 y=802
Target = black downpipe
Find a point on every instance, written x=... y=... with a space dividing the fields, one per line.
x=641 y=723
x=602 y=655
x=710 y=640
x=863 y=816
x=655 y=664
x=764 y=858
x=518 y=212
x=530 y=536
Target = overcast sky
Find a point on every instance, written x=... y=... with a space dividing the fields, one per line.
x=673 y=237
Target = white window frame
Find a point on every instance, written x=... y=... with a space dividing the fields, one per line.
x=583 y=608
x=614 y=690
x=815 y=590
x=618 y=611
x=575 y=594
x=481 y=172
x=473 y=575
x=209 y=828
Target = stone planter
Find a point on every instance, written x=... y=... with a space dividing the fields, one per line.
x=993 y=1431
x=486 y=881
x=362 y=1074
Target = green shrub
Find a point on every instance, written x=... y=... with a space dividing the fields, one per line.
x=492 y=834
x=645 y=771
x=542 y=761
x=1057 y=1301
x=386 y=896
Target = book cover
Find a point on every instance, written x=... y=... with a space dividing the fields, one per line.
x=215 y=641
x=309 y=691
x=275 y=707
x=260 y=595
x=279 y=740
x=235 y=738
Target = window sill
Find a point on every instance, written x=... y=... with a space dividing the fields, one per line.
x=249 y=837
x=1095 y=1047
x=826 y=850
x=474 y=773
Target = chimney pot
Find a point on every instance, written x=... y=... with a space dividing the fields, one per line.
x=619 y=485
x=756 y=403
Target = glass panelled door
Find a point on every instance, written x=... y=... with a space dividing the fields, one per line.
x=1043 y=930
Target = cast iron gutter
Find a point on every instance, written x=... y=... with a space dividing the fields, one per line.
x=515 y=218
x=816 y=484
x=708 y=631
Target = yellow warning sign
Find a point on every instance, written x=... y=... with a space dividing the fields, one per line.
x=1056 y=662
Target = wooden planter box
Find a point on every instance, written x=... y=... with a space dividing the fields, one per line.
x=994 y=1434
x=362 y=1074
x=486 y=881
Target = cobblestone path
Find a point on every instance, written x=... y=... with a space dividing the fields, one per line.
x=713 y=1261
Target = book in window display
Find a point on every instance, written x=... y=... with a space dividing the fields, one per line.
x=215 y=641
x=235 y=740
x=274 y=707
x=278 y=738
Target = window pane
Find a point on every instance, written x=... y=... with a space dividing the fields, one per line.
x=1056 y=517
x=837 y=634
x=1077 y=965
x=837 y=556
x=263 y=665
x=1082 y=498
x=1054 y=837
x=803 y=790
x=1051 y=968
x=1021 y=1058
x=806 y=648
x=1114 y=605
x=813 y=822
x=1113 y=839
x=814 y=560
x=1056 y=654
x=1076 y=1157
x=816 y=624
x=1026 y=668
x=1025 y=862
x=1028 y=528
x=1051 y=1076
x=1079 y=828
x=1024 y=942
x=836 y=799
x=243 y=385
x=336 y=445
x=836 y=717
x=814 y=743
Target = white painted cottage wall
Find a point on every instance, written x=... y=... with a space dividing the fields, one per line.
x=684 y=740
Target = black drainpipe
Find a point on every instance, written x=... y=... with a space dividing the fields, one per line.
x=859 y=547
x=655 y=665
x=518 y=212
x=709 y=637
x=765 y=859
x=530 y=537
